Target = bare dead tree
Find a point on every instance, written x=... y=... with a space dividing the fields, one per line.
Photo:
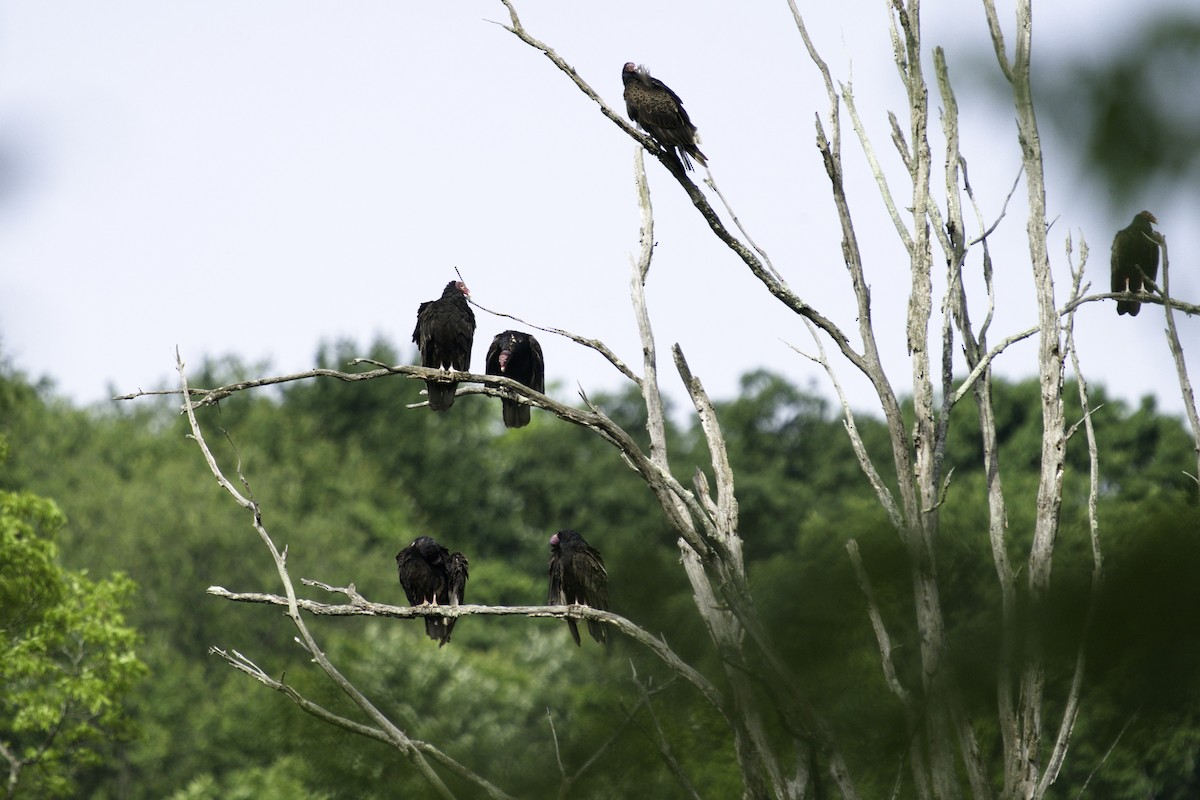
x=1172 y=334
x=757 y=687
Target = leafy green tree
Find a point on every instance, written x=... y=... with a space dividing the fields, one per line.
x=67 y=658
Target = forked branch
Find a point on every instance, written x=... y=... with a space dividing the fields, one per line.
x=398 y=738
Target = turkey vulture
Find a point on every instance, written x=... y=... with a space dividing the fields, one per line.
x=652 y=105
x=577 y=576
x=431 y=574
x=444 y=334
x=1132 y=250
x=517 y=355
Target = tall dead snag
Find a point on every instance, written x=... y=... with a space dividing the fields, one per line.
x=1022 y=719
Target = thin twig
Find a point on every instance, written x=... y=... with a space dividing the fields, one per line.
x=594 y=344
x=1104 y=757
x=712 y=184
x=882 y=639
x=876 y=169
x=660 y=739
x=856 y=442
x=557 y=752
x=245 y=665
x=1058 y=752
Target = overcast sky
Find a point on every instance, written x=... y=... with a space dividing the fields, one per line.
x=253 y=178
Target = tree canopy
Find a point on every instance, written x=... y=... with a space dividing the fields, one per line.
x=350 y=476
x=67 y=658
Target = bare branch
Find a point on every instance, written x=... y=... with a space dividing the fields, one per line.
x=882 y=639
x=997 y=34
x=1003 y=209
x=727 y=510
x=668 y=158
x=776 y=287
x=618 y=732
x=659 y=479
x=398 y=738
x=562 y=771
x=660 y=740
x=868 y=362
x=211 y=396
x=593 y=344
x=1185 y=384
x=712 y=184
x=1058 y=752
x=860 y=449
x=651 y=396
x=950 y=236
x=1104 y=758
x=1067 y=308
x=885 y=191
x=245 y=665
x=361 y=607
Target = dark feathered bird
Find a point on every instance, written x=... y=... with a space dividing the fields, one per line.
x=517 y=355
x=431 y=574
x=1131 y=250
x=577 y=576
x=444 y=334
x=652 y=105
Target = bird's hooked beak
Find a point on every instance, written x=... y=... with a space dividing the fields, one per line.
x=554 y=540
x=503 y=359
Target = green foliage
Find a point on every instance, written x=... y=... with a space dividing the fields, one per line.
x=1145 y=664
x=1135 y=131
x=280 y=780
x=67 y=658
x=346 y=475
x=28 y=574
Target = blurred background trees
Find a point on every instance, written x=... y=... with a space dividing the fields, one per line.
x=67 y=657
x=349 y=476
x=1130 y=113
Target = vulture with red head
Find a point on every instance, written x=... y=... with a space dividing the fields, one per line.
x=654 y=108
x=1134 y=251
x=577 y=576
x=432 y=575
x=444 y=334
x=517 y=355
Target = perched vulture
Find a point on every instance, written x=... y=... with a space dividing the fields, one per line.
x=444 y=333
x=432 y=575
x=652 y=105
x=517 y=355
x=577 y=576
x=1132 y=250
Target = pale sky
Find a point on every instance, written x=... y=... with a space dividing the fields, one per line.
x=252 y=178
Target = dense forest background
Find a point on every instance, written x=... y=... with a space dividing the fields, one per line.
x=347 y=475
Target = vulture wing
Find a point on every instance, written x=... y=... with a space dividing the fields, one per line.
x=444 y=334
x=1134 y=252
x=456 y=589
x=577 y=576
x=517 y=355
x=652 y=105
